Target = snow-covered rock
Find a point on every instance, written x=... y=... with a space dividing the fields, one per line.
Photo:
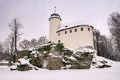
x=23 y=61
x=101 y=62
x=13 y=67
x=35 y=53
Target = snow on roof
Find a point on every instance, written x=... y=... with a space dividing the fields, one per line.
x=71 y=25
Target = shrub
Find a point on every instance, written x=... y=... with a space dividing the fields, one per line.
x=45 y=48
x=86 y=54
x=59 y=47
x=24 y=53
x=68 y=53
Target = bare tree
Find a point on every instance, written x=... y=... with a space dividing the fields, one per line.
x=9 y=44
x=15 y=27
x=9 y=47
x=102 y=45
x=1 y=47
x=42 y=40
x=25 y=44
x=1 y=51
x=33 y=43
x=96 y=40
x=114 y=23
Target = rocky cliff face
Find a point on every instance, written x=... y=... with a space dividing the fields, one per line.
x=56 y=57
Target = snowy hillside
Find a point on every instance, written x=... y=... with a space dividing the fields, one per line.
x=101 y=69
x=89 y=74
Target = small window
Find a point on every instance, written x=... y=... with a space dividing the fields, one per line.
x=65 y=32
x=58 y=34
x=70 y=31
x=88 y=29
x=59 y=41
x=81 y=29
x=75 y=30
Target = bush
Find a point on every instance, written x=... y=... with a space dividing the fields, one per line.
x=24 y=53
x=68 y=53
x=86 y=54
x=45 y=48
x=59 y=47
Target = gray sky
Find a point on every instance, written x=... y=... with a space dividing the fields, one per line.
x=34 y=14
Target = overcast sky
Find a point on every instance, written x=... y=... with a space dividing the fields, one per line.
x=34 y=14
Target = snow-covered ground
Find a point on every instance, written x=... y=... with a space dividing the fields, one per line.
x=112 y=73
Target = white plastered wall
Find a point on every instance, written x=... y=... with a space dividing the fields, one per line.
x=76 y=39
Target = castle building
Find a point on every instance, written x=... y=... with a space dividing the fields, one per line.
x=72 y=36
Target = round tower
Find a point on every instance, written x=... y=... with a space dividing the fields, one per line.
x=54 y=23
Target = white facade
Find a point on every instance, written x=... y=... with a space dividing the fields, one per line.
x=71 y=36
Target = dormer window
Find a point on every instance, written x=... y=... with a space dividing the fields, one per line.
x=66 y=26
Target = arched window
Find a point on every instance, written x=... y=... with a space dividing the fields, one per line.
x=75 y=30
x=65 y=32
x=88 y=29
x=58 y=34
x=81 y=29
x=70 y=31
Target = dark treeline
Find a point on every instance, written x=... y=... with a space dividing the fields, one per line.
x=109 y=47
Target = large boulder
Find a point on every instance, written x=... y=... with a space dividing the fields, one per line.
x=37 y=61
x=56 y=57
x=54 y=63
x=23 y=65
x=83 y=61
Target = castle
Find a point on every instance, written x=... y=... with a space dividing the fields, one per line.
x=72 y=36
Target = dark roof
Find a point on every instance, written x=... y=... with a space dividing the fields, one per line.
x=54 y=15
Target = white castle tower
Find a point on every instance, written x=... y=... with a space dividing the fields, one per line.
x=54 y=23
x=72 y=36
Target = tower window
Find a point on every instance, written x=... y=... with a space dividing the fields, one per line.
x=88 y=29
x=75 y=30
x=59 y=41
x=58 y=34
x=65 y=32
x=81 y=29
x=70 y=31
